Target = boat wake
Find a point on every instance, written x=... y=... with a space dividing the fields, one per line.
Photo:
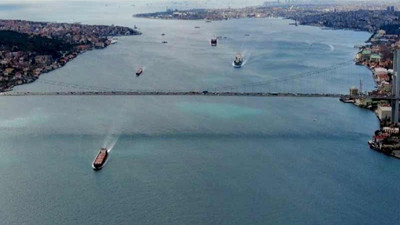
x=312 y=44
x=110 y=141
x=332 y=48
x=246 y=58
x=113 y=132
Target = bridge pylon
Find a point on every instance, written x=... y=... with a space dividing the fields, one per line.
x=396 y=87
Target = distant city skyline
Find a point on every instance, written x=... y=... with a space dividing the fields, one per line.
x=200 y=1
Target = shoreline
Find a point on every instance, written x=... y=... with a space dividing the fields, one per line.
x=61 y=62
x=387 y=130
x=368 y=44
x=30 y=49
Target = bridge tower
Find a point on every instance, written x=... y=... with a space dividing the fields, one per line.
x=396 y=87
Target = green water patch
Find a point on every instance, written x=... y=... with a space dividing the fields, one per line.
x=219 y=110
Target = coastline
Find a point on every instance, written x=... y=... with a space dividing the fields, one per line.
x=31 y=48
x=72 y=55
x=370 y=44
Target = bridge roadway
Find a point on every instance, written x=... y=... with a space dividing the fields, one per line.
x=167 y=93
x=194 y=93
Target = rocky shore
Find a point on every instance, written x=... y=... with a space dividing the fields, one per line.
x=28 y=49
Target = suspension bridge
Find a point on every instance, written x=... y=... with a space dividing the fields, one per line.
x=169 y=93
x=309 y=84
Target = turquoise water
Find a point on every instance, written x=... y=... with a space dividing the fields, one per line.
x=195 y=160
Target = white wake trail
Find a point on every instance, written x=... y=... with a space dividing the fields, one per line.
x=110 y=141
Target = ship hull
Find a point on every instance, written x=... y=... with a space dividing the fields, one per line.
x=238 y=62
x=99 y=166
x=139 y=72
x=236 y=65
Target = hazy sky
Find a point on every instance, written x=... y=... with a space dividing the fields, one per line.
x=244 y=2
x=248 y=1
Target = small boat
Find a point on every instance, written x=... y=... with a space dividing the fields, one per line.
x=238 y=61
x=162 y=34
x=296 y=23
x=347 y=100
x=247 y=35
x=113 y=41
x=164 y=42
x=197 y=27
x=214 y=42
x=139 y=72
x=372 y=145
x=100 y=159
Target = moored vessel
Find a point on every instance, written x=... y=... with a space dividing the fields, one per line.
x=100 y=159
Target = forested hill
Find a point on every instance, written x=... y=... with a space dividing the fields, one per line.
x=33 y=43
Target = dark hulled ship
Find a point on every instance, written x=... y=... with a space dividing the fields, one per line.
x=100 y=159
x=238 y=61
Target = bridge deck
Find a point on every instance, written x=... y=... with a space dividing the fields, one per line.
x=194 y=93
x=167 y=93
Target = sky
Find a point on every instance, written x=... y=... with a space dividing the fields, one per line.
x=249 y=1
x=197 y=2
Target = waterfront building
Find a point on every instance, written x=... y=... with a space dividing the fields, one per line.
x=353 y=90
x=391 y=130
x=375 y=58
x=365 y=54
x=390 y=9
x=382 y=78
x=384 y=112
x=37 y=71
x=8 y=71
x=380 y=70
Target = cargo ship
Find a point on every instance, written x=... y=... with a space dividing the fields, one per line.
x=100 y=159
x=214 y=42
x=139 y=72
x=238 y=62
